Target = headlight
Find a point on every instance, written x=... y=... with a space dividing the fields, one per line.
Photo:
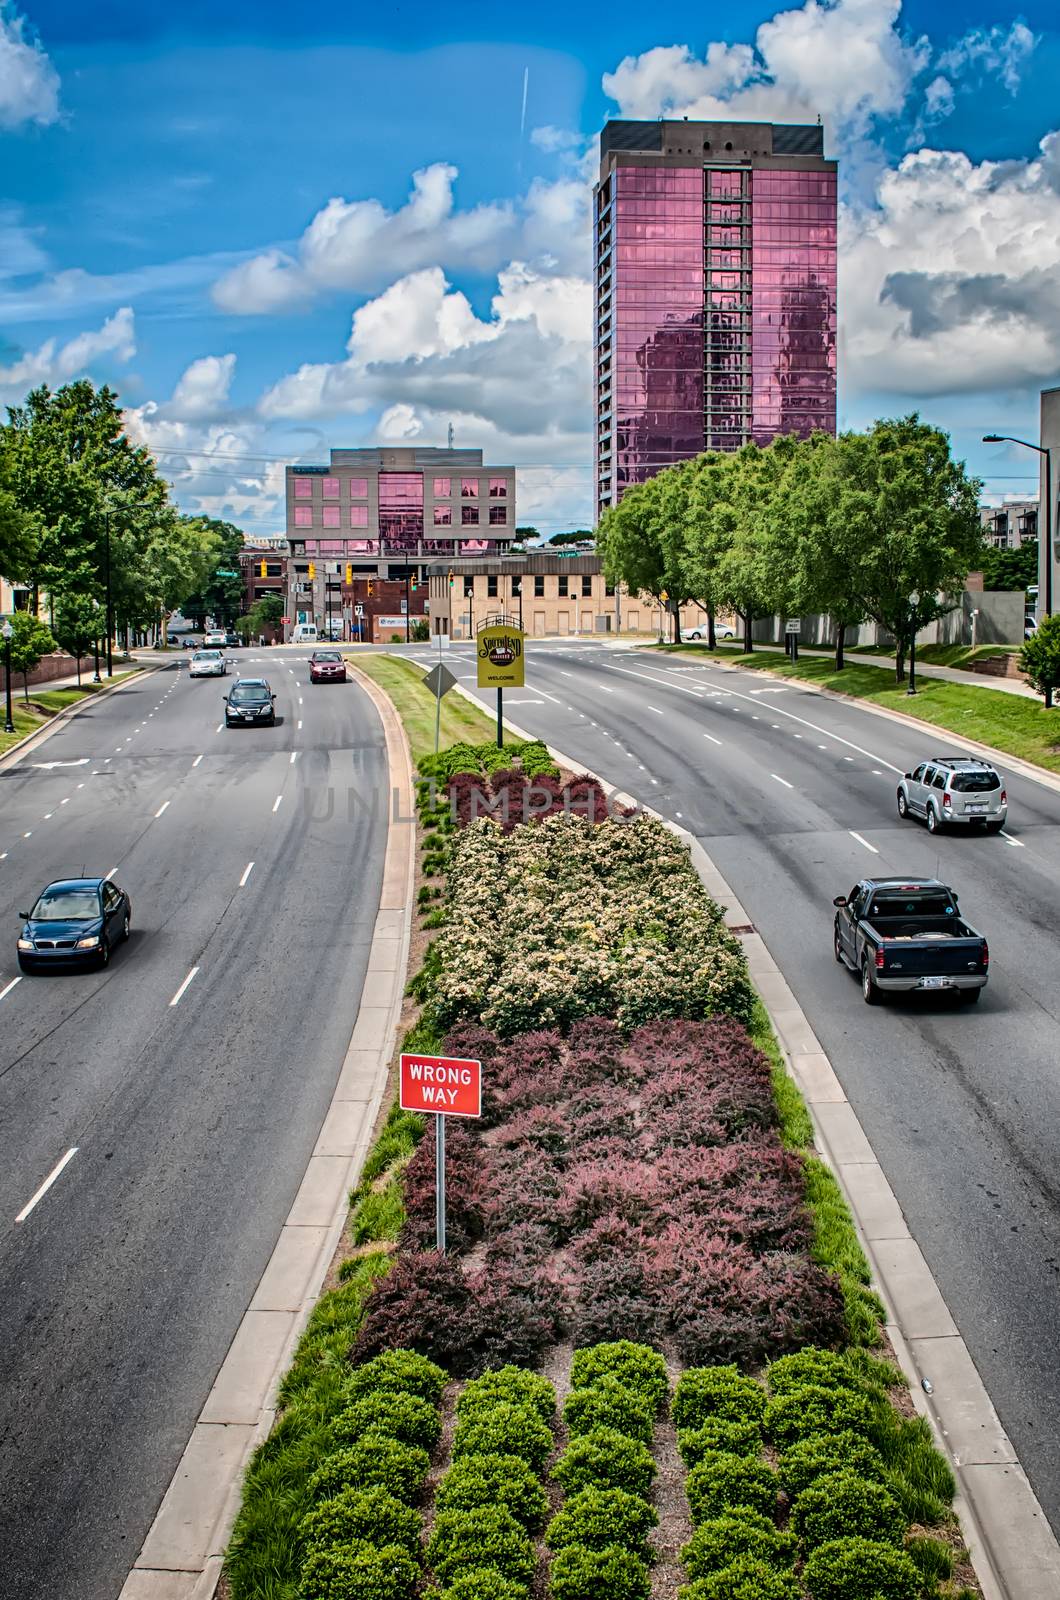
x=25 y=944
x=90 y=943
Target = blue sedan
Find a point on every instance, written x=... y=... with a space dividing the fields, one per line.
x=74 y=920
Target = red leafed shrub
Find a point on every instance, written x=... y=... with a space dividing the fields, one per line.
x=591 y=1189
x=525 y=1186
x=597 y=1114
x=717 y=1051
x=748 y=1193
x=467 y=1183
x=470 y=1041
x=544 y=1128
x=618 y=1293
x=737 y=1103
x=595 y=1048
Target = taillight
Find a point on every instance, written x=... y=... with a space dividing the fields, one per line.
x=1004 y=797
x=879 y=957
x=947 y=801
x=986 y=955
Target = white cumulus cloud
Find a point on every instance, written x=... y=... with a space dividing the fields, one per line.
x=29 y=84
x=202 y=389
x=54 y=363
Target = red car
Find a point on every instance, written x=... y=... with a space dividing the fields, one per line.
x=326 y=666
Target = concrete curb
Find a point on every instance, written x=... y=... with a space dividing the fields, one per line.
x=183 y=1552
x=1013 y=1548
x=29 y=741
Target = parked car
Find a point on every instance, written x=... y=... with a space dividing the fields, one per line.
x=1030 y=625
x=908 y=934
x=250 y=700
x=722 y=630
x=958 y=790
x=207 y=664
x=74 y=920
x=326 y=666
x=232 y=641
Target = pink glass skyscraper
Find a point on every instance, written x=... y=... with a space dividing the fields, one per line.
x=715 y=292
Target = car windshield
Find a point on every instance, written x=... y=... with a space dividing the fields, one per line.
x=207 y=655
x=974 y=782
x=245 y=693
x=327 y=655
x=66 y=905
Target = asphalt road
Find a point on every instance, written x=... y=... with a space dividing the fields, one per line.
x=793 y=795
x=193 y=1118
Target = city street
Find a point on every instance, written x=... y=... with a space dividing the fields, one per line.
x=190 y=1078
x=793 y=795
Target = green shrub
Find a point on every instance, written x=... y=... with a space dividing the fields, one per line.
x=740 y=1532
x=596 y=1518
x=494 y=1480
x=505 y=1430
x=918 y=1476
x=843 y=1504
x=932 y=1558
x=400 y=1468
x=401 y=1133
x=637 y=1367
x=515 y=1386
x=398 y=1372
x=743 y=1579
x=860 y=1569
x=401 y=1416
x=606 y=1404
x=719 y=1433
x=722 y=1481
x=607 y=1460
x=820 y=1454
x=705 y=1392
x=380 y=1214
x=481 y=1583
x=610 y=1574
x=825 y=1368
x=488 y=1536
x=362 y=1516
x=358 y=1572
x=811 y=1409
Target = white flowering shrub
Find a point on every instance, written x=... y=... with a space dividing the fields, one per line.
x=567 y=919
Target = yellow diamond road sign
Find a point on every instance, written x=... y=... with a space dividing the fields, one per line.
x=501 y=660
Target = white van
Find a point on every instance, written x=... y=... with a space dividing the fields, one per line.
x=304 y=633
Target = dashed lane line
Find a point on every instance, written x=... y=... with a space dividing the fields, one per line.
x=247 y=870
x=183 y=988
x=163 y=807
x=277 y=803
x=46 y=1185
x=9 y=986
x=776 y=776
x=865 y=842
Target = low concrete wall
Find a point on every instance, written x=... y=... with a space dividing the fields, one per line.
x=46 y=671
x=999 y=621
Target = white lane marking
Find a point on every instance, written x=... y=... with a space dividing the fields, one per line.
x=177 y=997
x=294 y=757
x=712 y=739
x=48 y=816
x=1010 y=840
x=163 y=807
x=46 y=1185
x=28 y=835
x=8 y=987
x=658 y=713
x=3 y=855
x=848 y=758
x=247 y=870
x=299 y=722
x=198 y=758
x=81 y=785
x=301 y=702
x=784 y=781
x=277 y=803
x=822 y=747
x=110 y=874
x=865 y=842
x=65 y=802
x=564 y=673
x=218 y=728
x=655 y=780
x=46 y=766
x=876 y=773
x=796 y=736
x=605 y=691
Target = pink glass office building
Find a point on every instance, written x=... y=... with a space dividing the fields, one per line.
x=715 y=292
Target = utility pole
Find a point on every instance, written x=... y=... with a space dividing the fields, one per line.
x=408 y=618
x=110 y=620
x=9 y=722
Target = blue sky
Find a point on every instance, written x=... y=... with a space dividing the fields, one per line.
x=165 y=179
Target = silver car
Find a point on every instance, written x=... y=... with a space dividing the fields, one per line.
x=959 y=790
x=207 y=664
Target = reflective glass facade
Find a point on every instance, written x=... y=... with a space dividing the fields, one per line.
x=715 y=292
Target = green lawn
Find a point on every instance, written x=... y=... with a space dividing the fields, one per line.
x=403 y=682
x=1008 y=722
x=44 y=703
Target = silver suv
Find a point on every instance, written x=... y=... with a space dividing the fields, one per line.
x=954 y=789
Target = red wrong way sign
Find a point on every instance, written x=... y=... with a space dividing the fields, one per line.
x=443 y=1084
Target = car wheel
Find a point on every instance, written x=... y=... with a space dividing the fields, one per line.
x=968 y=997
x=903 y=805
x=933 y=821
x=126 y=926
x=104 y=952
x=993 y=827
x=836 y=946
x=869 y=992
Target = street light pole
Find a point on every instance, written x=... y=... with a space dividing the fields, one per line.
x=408 y=619
x=9 y=722
x=914 y=601
x=110 y=622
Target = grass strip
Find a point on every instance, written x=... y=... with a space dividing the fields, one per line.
x=1006 y=722
x=45 y=703
x=461 y=722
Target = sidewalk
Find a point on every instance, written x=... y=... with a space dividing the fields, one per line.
x=977 y=680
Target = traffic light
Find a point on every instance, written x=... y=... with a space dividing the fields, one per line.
x=371 y=588
x=452 y=579
x=414 y=585
x=349 y=572
x=312 y=570
x=264 y=569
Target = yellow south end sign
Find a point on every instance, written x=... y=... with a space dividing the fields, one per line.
x=500 y=658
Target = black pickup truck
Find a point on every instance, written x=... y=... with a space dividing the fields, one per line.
x=906 y=933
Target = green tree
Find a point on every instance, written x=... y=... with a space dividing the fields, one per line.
x=264 y=613
x=579 y=536
x=1040 y=658
x=79 y=623
x=1010 y=569
x=220 y=596
x=18 y=534
x=30 y=643
x=819 y=543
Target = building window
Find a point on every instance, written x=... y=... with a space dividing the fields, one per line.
x=358 y=516
x=443 y=515
x=609 y=590
x=587 y=588
x=358 y=488
x=469 y=488
x=469 y=516
x=303 y=488
x=443 y=488
x=303 y=516
x=332 y=547
x=498 y=488
x=564 y=585
x=331 y=516
x=517 y=587
x=539 y=588
x=331 y=488
x=310 y=550
x=491 y=587
x=498 y=516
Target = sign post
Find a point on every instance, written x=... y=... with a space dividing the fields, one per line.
x=791 y=637
x=438 y=681
x=450 y=1087
x=501 y=663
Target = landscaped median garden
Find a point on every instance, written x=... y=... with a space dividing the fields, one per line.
x=650 y=1364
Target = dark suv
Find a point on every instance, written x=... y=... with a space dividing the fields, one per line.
x=250 y=700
